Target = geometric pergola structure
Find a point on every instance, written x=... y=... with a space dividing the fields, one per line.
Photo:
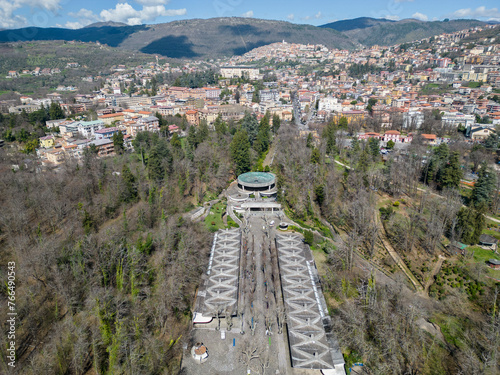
x=220 y=292
x=310 y=348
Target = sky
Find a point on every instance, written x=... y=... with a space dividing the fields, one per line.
x=75 y=14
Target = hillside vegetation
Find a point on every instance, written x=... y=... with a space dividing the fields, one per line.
x=215 y=37
x=356 y=23
x=387 y=34
x=197 y=38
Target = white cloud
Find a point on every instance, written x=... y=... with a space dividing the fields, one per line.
x=247 y=14
x=7 y=8
x=291 y=16
x=84 y=13
x=152 y=2
x=420 y=16
x=84 y=16
x=72 y=25
x=8 y=18
x=317 y=16
x=391 y=17
x=479 y=12
x=124 y=12
x=51 y=5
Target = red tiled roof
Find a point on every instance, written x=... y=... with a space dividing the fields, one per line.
x=111 y=115
x=428 y=136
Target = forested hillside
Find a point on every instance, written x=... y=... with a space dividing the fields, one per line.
x=391 y=324
x=106 y=259
x=196 y=38
x=107 y=263
x=408 y=30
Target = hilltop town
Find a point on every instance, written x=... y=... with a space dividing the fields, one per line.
x=383 y=88
x=296 y=209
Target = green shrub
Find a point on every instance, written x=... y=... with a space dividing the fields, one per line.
x=309 y=237
x=396 y=204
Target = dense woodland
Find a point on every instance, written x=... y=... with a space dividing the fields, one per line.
x=376 y=321
x=107 y=263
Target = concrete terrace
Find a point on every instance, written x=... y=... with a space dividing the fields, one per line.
x=307 y=316
x=220 y=290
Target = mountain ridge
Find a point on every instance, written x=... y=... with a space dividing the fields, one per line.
x=227 y=36
x=355 y=23
x=407 y=30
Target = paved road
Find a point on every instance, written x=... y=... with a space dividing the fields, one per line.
x=297 y=115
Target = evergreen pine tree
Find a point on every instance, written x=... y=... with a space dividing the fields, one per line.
x=451 y=174
x=309 y=141
x=355 y=145
x=240 y=152
x=315 y=156
x=484 y=187
x=129 y=193
x=192 y=137
x=202 y=131
x=175 y=141
x=471 y=223
x=329 y=134
x=374 y=145
x=220 y=125
x=155 y=166
x=55 y=111
x=251 y=126
x=276 y=123
x=364 y=160
x=118 y=142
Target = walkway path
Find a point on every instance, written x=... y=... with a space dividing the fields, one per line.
x=270 y=155
x=434 y=272
x=397 y=259
x=342 y=164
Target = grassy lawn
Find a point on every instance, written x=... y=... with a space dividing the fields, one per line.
x=209 y=196
x=482 y=256
x=451 y=328
x=474 y=85
x=385 y=203
x=492 y=233
x=183 y=143
x=465 y=192
x=213 y=221
x=496 y=216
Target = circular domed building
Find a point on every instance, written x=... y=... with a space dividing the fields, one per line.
x=263 y=183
